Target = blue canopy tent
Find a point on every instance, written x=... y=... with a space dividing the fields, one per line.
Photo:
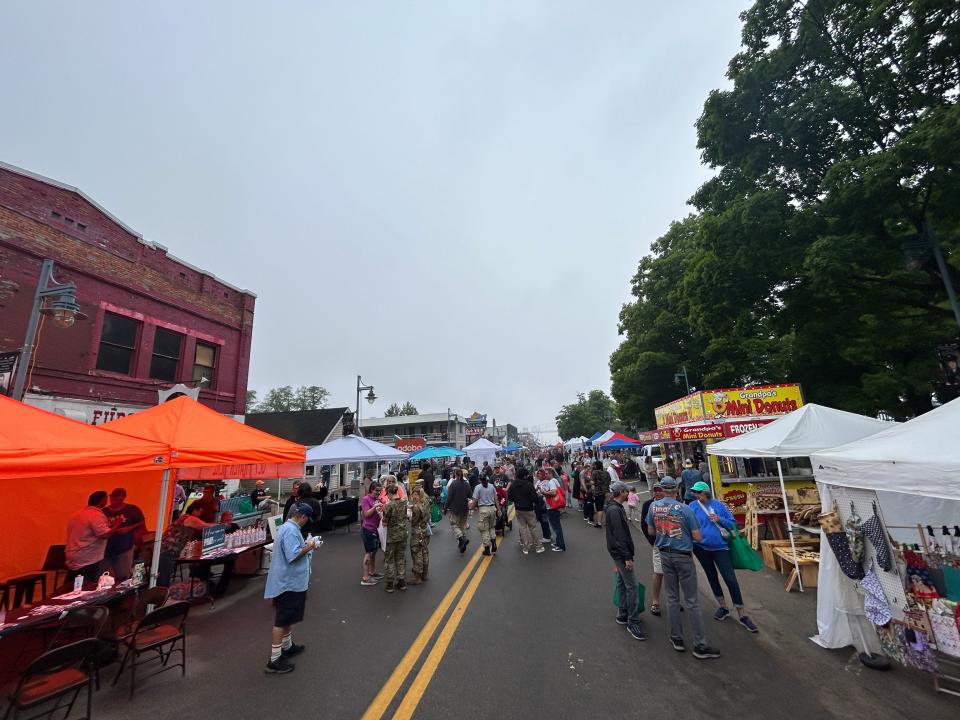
x=512 y=447
x=618 y=444
x=429 y=453
x=593 y=439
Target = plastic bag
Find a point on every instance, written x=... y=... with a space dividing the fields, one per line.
x=744 y=557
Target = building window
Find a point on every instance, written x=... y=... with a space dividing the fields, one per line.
x=118 y=342
x=205 y=363
x=166 y=354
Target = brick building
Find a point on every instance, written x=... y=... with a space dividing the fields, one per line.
x=152 y=319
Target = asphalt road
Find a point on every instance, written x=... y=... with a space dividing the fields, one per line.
x=537 y=639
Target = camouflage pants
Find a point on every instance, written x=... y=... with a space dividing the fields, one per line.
x=459 y=524
x=488 y=520
x=395 y=561
x=420 y=552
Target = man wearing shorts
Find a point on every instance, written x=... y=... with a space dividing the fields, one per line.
x=287 y=583
x=657 y=490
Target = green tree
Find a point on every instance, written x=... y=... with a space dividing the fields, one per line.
x=837 y=158
x=393 y=411
x=310 y=397
x=408 y=409
x=590 y=414
x=278 y=399
x=251 y=401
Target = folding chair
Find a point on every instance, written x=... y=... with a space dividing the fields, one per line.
x=56 y=562
x=55 y=675
x=155 y=596
x=160 y=632
x=80 y=624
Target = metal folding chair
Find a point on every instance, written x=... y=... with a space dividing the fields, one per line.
x=159 y=634
x=57 y=675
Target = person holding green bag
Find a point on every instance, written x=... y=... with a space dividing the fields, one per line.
x=717 y=525
x=620 y=547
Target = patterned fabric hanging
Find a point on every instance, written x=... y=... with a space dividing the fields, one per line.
x=877 y=535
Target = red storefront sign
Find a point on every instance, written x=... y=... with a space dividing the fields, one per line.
x=698 y=432
x=736 y=429
x=410 y=445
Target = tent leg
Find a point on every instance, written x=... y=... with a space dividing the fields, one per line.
x=786 y=511
x=161 y=521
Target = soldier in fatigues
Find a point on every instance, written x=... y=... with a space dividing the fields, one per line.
x=395 y=554
x=419 y=532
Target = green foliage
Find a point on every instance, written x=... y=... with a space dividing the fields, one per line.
x=286 y=398
x=837 y=153
x=591 y=413
x=395 y=410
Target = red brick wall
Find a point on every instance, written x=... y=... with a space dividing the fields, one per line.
x=113 y=269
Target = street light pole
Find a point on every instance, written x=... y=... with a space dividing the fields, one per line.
x=64 y=310
x=371 y=398
x=686 y=380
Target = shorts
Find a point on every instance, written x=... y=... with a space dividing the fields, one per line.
x=289 y=607
x=371 y=540
x=657 y=562
x=599 y=501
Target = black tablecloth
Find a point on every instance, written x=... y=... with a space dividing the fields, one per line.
x=341 y=511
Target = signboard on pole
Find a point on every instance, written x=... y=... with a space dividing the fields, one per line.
x=410 y=445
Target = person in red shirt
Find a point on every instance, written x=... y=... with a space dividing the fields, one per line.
x=209 y=504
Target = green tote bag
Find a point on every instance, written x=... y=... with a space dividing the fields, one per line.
x=744 y=557
x=641 y=591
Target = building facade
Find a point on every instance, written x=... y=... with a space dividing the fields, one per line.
x=448 y=429
x=152 y=320
x=502 y=434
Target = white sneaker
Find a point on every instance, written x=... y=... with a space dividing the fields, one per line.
x=525 y=551
x=546 y=541
x=541 y=549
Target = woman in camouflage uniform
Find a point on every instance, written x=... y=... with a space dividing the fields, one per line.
x=395 y=553
x=419 y=532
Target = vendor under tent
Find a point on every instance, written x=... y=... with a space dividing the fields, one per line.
x=798 y=434
x=57 y=463
x=431 y=453
x=205 y=445
x=482 y=450
x=911 y=473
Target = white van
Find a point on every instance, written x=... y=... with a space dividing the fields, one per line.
x=654 y=452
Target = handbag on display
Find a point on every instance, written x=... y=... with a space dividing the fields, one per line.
x=855 y=535
x=877 y=535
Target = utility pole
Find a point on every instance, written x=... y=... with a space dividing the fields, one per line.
x=944 y=270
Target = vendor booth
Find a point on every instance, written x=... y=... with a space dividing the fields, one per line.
x=898 y=590
x=482 y=450
x=433 y=453
x=619 y=441
x=574 y=444
x=53 y=464
x=798 y=434
x=205 y=445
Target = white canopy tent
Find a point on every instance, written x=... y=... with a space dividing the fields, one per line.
x=352 y=449
x=801 y=433
x=482 y=450
x=603 y=438
x=577 y=443
x=914 y=469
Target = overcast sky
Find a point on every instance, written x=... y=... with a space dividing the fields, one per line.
x=448 y=198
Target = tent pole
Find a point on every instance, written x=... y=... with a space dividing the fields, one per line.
x=786 y=511
x=158 y=534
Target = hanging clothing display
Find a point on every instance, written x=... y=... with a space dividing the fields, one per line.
x=875 y=604
x=877 y=535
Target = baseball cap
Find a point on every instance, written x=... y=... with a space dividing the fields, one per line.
x=700 y=487
x=618 y=486
x=688 y=462
x=305 y=509
x=668 y=483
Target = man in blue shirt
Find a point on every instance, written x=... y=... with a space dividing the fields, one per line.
x=676 y=529
x=287 y=583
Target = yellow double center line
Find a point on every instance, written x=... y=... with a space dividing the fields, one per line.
x=418 y=687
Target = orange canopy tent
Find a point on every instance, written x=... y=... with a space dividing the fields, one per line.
x=207 y=445
x=58 y=463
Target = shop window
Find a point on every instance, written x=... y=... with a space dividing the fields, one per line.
x=118 y=343
x=205 y=364
x=166 y=354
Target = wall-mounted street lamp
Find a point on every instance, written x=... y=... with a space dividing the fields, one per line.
x=58 y=301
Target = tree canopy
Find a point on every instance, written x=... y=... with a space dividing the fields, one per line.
x=808 y=259
x=408 y=408
x=286 y=398
x=590 y=414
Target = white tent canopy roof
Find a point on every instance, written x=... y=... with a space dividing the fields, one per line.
x=919 y=457
x=482 y=444
x=352 y=449
x=801 y=433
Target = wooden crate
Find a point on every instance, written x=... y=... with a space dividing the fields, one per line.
x=770 y=558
